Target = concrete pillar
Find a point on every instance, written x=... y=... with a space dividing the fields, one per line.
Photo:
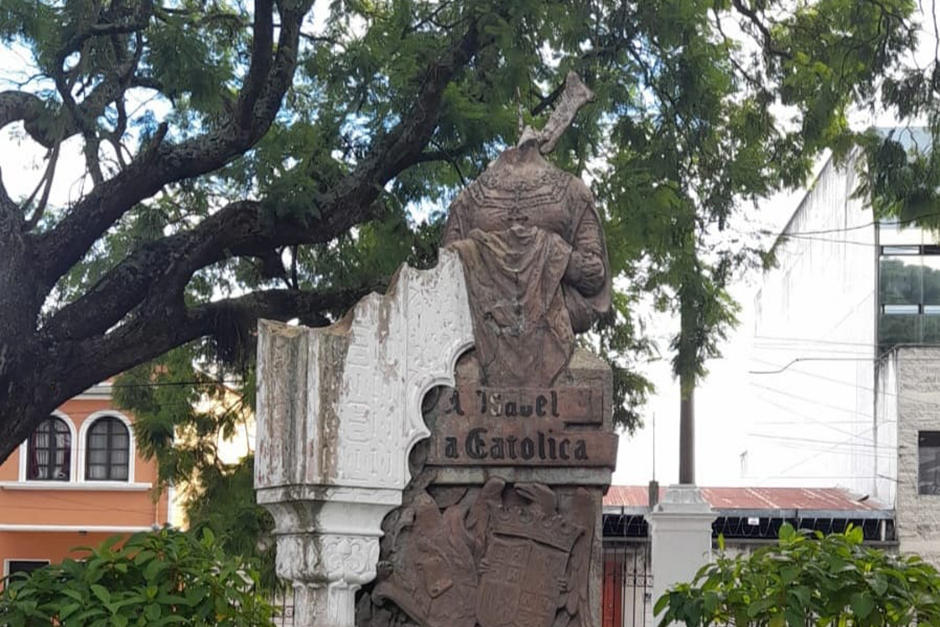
x=339 y=409
x=680 y=536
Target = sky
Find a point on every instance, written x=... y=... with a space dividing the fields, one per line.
x=724 y=406
x=723 y=402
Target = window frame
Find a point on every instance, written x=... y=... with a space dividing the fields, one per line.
x=73 y=454
x=83 y=447
x=935 y=434
x=8 y=560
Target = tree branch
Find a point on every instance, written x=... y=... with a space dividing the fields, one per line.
x=60 y=248
x=245 y=228
x=159 y=326
x=768 y=40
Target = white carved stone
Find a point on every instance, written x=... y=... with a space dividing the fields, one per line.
x=680 y=536
x=339 y=409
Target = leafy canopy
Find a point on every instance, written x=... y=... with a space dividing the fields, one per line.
x=280 y=158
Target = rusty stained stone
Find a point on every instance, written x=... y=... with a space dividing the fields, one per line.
x=506 y=554
x=570 y=404
x=535 y=263
x=495 y=442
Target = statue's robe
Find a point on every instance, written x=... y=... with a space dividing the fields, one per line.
x=535 y=264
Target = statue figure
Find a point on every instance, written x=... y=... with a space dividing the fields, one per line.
x=533 y=251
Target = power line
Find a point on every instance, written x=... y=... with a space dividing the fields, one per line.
x=813 y=401
x=802 y=359
x=815 y=442
x=768 y=231
x=822 y=423
x=812 y=340
x=822 y=377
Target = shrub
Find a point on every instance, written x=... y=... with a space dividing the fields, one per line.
x=161 y=578
x=808 y=580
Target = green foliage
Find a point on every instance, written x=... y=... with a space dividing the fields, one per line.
x=182 y=416
x=160 y=578
x=808 y=580
x=686 y=128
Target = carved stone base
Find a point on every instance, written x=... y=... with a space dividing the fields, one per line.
x=318 y=605
x=327 y=550
x=493 y=545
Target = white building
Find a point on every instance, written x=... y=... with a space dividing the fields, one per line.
x=846 y=358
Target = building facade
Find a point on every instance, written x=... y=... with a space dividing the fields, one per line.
x=76 y=481
x=845 y=372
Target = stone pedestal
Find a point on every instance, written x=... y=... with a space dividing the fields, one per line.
x=502 y=519
x=680 y=536
x=339 y=409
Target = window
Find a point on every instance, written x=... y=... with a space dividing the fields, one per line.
x=928 y=462
x=107 y=450
x=909 y=295
x=24 y=566
x=49 y=451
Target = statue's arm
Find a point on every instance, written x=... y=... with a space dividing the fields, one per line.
x=586 y=269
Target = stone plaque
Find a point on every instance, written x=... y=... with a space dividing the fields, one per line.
x=484 y=426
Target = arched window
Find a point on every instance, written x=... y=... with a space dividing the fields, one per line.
x=107 y=450
x=49 y=451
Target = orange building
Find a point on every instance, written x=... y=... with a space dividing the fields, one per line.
x=76 y=481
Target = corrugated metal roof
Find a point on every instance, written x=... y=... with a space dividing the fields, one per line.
x=817 y=499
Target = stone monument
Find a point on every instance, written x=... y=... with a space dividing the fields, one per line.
x=438 y=457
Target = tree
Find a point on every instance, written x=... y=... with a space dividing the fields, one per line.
x=808 y=580
x=160 y=578
x=262 y=161
x=181 y=416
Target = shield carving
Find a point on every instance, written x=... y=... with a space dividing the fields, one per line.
x=523 y=570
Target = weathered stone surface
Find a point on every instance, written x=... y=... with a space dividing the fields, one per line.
x=916 y=396
x=339 y=409
x=513 y=564
x=503 y=555
x=536 y=265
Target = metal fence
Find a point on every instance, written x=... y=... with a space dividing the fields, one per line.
x=285 y=609
x=627 y=597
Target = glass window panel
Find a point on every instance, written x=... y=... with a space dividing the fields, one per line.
x=97 y=440
x=892 y=232
x=25 y=566
x=931 y=327
x=931 y=279
x=898 y=329
x=49 y=451
x=928 y=462
x=108 y=450
x=900 y=250
x=900 y=281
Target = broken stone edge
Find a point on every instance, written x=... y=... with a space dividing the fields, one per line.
x=339 y=410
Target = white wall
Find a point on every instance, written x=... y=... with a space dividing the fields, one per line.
x=815 y=319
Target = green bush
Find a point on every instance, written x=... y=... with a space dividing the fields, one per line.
x=808 y=580
x=160 y=578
